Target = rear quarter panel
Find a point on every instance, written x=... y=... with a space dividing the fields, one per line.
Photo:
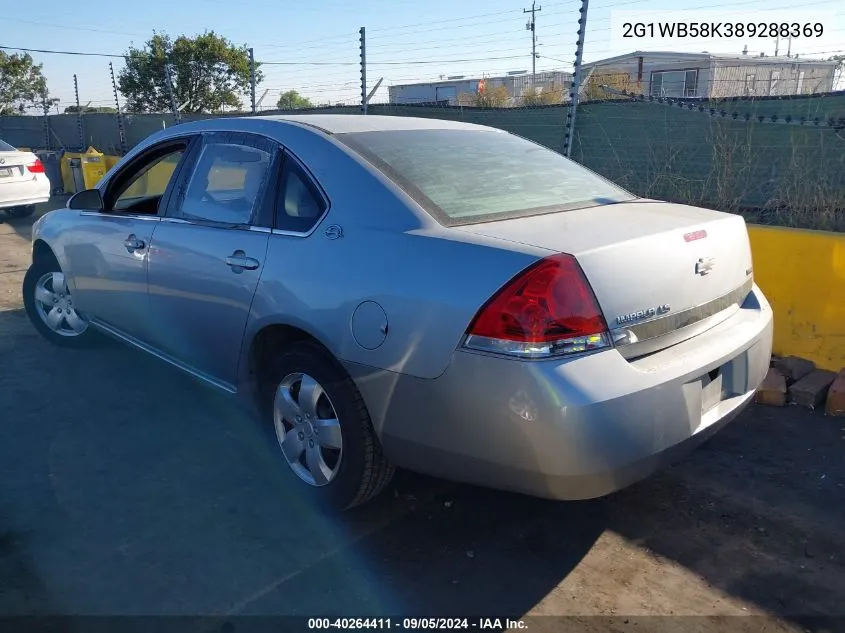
x=429 y=287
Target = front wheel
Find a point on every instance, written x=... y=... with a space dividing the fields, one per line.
x=21 y=212
x=51 y=309
x=322 y=429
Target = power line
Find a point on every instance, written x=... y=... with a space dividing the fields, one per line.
x=270 y=63
x=51 y=52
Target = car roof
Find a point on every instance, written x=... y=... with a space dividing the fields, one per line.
x=348 y=123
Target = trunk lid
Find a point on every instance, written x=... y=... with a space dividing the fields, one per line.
x=661 y=272
x=13 y=166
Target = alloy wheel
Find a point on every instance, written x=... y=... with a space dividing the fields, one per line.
x=308 y=429
x=54 y=305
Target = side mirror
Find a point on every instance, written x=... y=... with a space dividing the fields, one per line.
x=87 y=200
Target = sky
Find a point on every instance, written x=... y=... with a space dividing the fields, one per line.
x=317 y=41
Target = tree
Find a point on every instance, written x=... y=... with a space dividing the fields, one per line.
x=546 y=96
x=89 y=109
x=487 y=97
x=615 y=80
x=292 y=100
x=208 y=72
x=21 y=83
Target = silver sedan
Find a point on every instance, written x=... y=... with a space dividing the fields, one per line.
x=439 y=296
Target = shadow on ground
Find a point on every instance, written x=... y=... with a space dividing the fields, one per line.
x=129 y=488
x=125 y=487
x=757 y=512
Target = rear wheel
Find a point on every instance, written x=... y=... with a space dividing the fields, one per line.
x=50 y=306
x=320 y=425
x=21 y=212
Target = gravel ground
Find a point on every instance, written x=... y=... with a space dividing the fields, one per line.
x=128 y=488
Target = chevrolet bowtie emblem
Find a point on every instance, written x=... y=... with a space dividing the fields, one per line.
x=704 y=265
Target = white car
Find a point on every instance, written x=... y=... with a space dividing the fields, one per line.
x=23 y=181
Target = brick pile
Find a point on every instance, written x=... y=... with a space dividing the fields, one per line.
x=794 y=380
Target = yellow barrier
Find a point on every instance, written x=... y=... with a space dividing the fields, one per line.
x=802 y=273
x=94 y=167
x=64 y=168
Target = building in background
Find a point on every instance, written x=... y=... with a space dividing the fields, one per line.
x=708 y=75
x=459 y=90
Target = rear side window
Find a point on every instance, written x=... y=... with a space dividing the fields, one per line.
x=299 y=205
x=5 y=147
x=468 y=176
x=226 y=184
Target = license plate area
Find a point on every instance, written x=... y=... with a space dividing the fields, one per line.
x=713 y=389
x=5 y=172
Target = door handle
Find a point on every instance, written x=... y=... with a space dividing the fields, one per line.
x=132 y=243
x=238 y=261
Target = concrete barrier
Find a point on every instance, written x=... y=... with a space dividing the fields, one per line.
x=802 y=273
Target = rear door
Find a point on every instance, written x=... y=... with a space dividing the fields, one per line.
x=209 y=251
x=108 y=249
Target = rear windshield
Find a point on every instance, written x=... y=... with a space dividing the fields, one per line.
x=469 y=176
x=5 y=147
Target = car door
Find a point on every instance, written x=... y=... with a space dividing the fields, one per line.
x=208 y=253
x=108 y=249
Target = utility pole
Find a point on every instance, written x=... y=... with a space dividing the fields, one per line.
x=252 y=80
x=363 y=33
x=532 y=26
x=121 y=131
x=569 y=134
x=79 y=126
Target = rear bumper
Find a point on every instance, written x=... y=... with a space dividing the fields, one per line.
x=573 y=429
x=19 y=194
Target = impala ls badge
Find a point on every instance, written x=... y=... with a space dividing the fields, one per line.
x=704 y=265
x=639 y=315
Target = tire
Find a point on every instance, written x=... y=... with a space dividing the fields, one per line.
x=361 y=470
x=66 y=335
x=21 y=212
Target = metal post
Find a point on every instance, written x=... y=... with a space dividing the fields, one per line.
x=120 y=129
x=363 y=70
x=576 y=81
x=168 y=82
x=252 y=81
x=46 y=107
x=79 y=124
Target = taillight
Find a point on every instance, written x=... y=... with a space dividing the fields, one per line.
x=547 y=310
x=37 y=167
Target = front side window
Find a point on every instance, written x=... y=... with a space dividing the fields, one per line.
x=466 y=176
x=141 y=190
x=226 y=184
